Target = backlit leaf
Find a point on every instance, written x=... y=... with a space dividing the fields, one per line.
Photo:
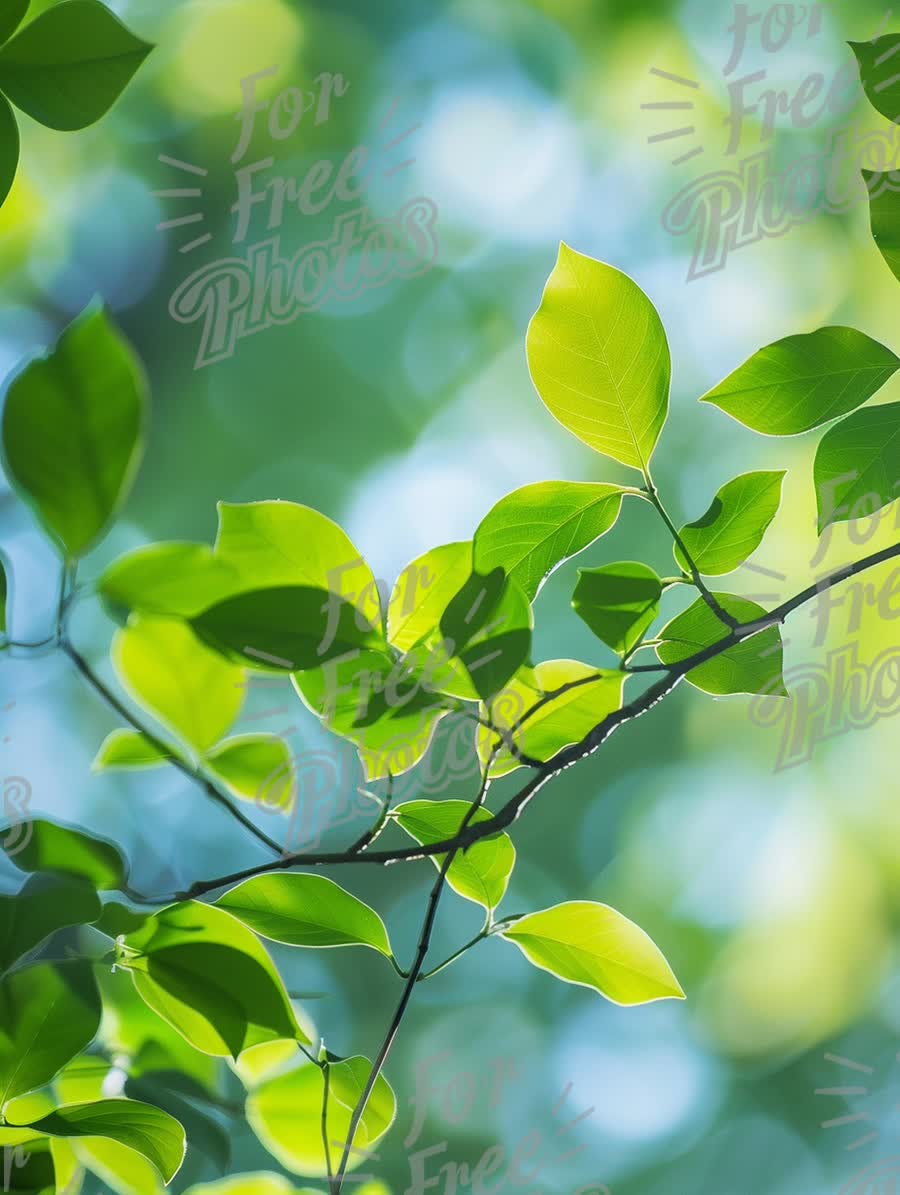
x=52 y=847
x=619 y=602
x=857 y=466
x=733 y=527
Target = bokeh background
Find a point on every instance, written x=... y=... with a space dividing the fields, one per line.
x=405 y=413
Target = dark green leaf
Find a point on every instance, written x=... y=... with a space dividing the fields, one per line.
x=804 y=381
x=755 y=665
x=592 y=945
x=487 y=628
x=116 y=919
x=209 y=977
x=175 y=1093
x=482 y=872
x=4 y=598
x=9 y=148
x=599 y=358
x=72 y=430
x=11 y=15
x=305 y=910
x=50 y=1013
x=733 y=527
x=619 y=602
x=149 y=1131
x=878 y=73
x=857 y=466
x=59 y=848
x=70 y=64
x=43 y=905
x=532 y=531
x=884 y=210
x=287 y=628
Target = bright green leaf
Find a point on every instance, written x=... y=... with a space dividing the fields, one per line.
x=127 y=749
x=261 y=1182
x=285 y=1113
x=558 y=723
x=167 y=670
x=533 y=530
x=755 y=665
x=51 y=1012
x=804 y=381
x=599 y=359
x=72 y=430
x=424 y=590
x=258 y=767
x=209 y=977
x=593 y=946
x=480 y=873
x=149 y=1131
x=178 y=1095
x=52 y=847
x=120 y=1169
x=305 y=910
x=857 y=466
x=733 y=527
x=170 y=578
x=619 y=602
x=70 y=64
x=9 y=148
x=282 y=544
x=43 y=905
x=287 y=628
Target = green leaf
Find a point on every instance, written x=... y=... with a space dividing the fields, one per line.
x=172 y=578
x=599 y=359
x=424 y=590
x=260 y=1182
x=532 y=531
x=377 y=704
x=11 y=17
x=257 y=767
x=619 y=602
x=877 y=74
x=125 y=749
x=73 y=430
x=287 y=628
x=52 y=847
x=175 y=1093
x=884 y=211
x=804 y=381
x=191 y=690
x=4 y=598
x=486 y=628
x=733 y=527
x=557 y=724
x=149 y=1131
x=70 y=64
x=285 y=1113
x=305 y=910
x=9 y=148
x=29 y=1169
x=481 y=873
x=857 y=466
x=594 y=946
x=755 y=665
x=43 y=905
x=208 y=977
x=120 y=1169
x=50 y=1013
x=117 y=919
x=284 y=544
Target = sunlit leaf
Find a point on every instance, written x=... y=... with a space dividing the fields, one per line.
x=262 y=1182
x=126 y=749
x=51 y=1012
x=533 y=530
x=168 y=578
x=52 y=847
x=619 y=602
x=424 y=590
x=857 y=466
x=149 y=1131
x=70 y=64
x=480 y=873
x=72 y=430
x=9 y=148
x=599 y=358
x=209 y=977
x=755 y=665
x=190 y=689
x=804 y=381
x=43 y=905
x=305 y=910
x=285 y=1113
x=878 y=74
x=594 y=946
x=734 y=525
x=179 y=1096
x=257 y=767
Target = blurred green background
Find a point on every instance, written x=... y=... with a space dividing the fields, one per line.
x=404 y=414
